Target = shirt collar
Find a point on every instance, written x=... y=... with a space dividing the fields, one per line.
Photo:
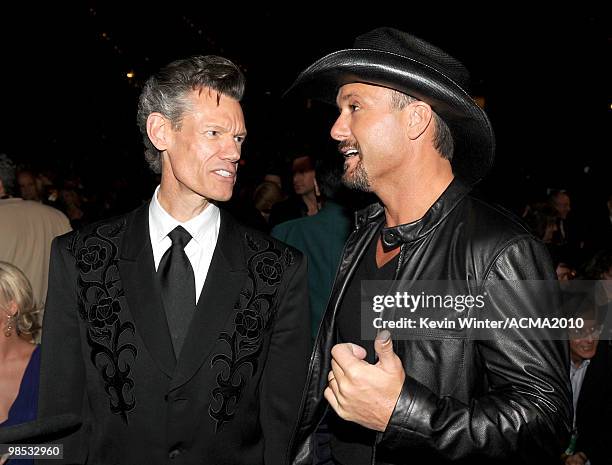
x=584 y=364
x=441 y=208
x=163 y=223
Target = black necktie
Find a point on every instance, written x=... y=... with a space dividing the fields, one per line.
x=178 y=287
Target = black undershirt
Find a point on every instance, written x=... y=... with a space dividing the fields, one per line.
x=351 y=444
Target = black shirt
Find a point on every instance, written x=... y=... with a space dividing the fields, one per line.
x=352 y=444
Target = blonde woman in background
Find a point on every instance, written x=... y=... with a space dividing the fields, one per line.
x=19 y=356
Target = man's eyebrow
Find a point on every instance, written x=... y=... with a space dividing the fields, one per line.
x=344 y=98
x=348 y=96
x=224 y=129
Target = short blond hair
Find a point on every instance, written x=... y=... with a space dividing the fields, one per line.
x=15 y=287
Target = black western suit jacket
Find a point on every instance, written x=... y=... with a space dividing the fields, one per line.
x=232 y=396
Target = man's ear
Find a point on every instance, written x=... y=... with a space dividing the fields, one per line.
x=418 y=117
x=158 y=130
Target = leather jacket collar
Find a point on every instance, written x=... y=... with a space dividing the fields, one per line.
x=409 y=232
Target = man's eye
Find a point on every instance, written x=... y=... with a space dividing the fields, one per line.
x=354 y=107
x=212 y=133
x=239 y=139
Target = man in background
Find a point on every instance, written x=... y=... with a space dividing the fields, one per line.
x=304 y=201
x=27 y=229
x=320 y=237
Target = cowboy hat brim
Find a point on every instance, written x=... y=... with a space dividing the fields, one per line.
x=472 y=132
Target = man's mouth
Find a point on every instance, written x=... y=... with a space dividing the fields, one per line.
x=350 y=153
x=348 y=148
x=224 y=173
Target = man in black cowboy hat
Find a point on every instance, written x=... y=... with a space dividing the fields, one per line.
x=411 y=134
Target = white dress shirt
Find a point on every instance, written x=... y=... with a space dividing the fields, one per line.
x=204 y=230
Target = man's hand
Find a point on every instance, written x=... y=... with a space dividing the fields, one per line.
x=363 y=393
x=579 y=458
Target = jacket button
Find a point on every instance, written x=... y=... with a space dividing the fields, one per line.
x=174 y=453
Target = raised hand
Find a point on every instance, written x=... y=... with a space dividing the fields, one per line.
x=361 y=392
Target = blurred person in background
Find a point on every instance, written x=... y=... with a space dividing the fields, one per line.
x=304 y=200
x=19 y=355
x=542 y=219
x=560 y=201
x=266 y=195
x=591 y=379
x=27 y=229
x=29 y=186
x=569 y=235
x=71 y=202
x=320 y=237
x=565 y=271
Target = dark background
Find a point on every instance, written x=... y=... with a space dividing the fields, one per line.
x=68 y=105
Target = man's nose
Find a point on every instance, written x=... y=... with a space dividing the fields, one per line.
x=232 y=150
x=340 y=130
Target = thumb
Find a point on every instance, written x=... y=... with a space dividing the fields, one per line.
x=358 y=351
x=384 y=349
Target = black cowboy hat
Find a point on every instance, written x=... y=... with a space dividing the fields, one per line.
x=391 y=58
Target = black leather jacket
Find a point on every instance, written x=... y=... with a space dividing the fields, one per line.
x=466 y=401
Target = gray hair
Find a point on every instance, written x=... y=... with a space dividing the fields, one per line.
x=166 y=92
x=7 y=173
x=443 y=138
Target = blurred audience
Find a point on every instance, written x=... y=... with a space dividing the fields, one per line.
x=27 y=229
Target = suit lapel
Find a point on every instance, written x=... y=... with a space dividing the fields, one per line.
x=225 y=278
x=592 y=382
x=137 y=270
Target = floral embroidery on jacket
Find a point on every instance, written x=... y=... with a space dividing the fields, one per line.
x=255 y=312
x=100 y=296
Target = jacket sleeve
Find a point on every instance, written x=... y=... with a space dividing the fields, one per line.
x=286 y=366
x=525 y=414
x=62 y=374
